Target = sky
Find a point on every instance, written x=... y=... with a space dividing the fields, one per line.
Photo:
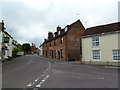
x=29 y=21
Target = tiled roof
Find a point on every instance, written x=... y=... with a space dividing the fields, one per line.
x=64 y=33
x=8 y=34
x=102 y=29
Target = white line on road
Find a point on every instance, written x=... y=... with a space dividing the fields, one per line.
x=29 y=61
x=47 y=68
x=32 y=83
x=42 y=81
x=36 y=79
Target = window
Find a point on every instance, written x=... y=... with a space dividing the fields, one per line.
x=58 y=32
x=61 y=53
x=116 y=55
x=95 y=41
x=55 y=42
x=46 y=52
x=6 y=39
x=55 y=53
x=96 y=54
x=61 y=40
x=66 y=29
x=50 y=52
x=50 y=44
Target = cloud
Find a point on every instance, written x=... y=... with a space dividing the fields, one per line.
x=30 y=20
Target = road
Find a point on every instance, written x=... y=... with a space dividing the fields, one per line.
x=32 y=71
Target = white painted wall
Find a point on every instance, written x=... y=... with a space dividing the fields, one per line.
x=107 y=44
x=41 y=50
x=9 y=46
x=0 y=42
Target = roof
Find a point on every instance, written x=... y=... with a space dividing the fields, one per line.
x=8 y=34
x=64 y=33
x=103 y=29
x=54 y=38
x=2 y=28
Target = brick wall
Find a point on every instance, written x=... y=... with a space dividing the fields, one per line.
x=65 y=47
x=74 y=41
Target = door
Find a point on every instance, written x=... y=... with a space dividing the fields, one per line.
x=58 y=54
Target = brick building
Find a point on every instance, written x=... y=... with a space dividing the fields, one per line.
x=65 y=43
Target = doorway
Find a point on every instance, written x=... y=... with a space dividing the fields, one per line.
x=58 y=54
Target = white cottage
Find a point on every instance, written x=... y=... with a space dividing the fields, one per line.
x=100 y=45
x=5 y=43
x=0 y=42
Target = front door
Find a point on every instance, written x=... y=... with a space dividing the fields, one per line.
x=58 y=54
x=52 y=53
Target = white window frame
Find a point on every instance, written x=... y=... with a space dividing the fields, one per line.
x=58 y=32
x=61 y=40
x=66 y=28
x=95 y=41
x=96 y=55
x=116 y=55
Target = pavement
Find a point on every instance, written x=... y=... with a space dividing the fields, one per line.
x=32 y=71
x=94 y=65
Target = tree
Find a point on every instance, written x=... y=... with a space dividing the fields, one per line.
x=16 y=49
x=26 y=47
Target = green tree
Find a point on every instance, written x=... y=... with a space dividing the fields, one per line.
x=26 y=47
x=16 y=49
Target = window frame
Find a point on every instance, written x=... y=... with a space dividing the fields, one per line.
x=50 y=44
x=62 y=53
x=61 y=40
x=95 y=41
x=55 y=53
x=54 y=42
x=116 y=57
x=96 y=55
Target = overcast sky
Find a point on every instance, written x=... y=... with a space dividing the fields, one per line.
x=31 y=20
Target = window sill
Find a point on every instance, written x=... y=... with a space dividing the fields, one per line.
x=96 y=60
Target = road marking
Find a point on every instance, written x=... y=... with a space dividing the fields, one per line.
x=47 y=68
x=36 y=79
x=38 y=85
x=42 y=81
x=29 y=61
x=32 y=83
x=29 y=85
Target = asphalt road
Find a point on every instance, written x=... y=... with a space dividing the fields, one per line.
x=32 y=71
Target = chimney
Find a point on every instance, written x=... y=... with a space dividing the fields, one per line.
x=45 y=40
x=58 y=28
x=56 y=33
x=50 y=35
x=3 y=25
x=62 y=31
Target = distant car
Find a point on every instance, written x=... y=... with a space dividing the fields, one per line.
x=32 y=53
x=20 y=53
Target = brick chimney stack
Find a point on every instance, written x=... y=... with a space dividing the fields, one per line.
x=50 y=35
x=58 y=28
x=56 y=34
x=3 y=25
x=45 y=40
